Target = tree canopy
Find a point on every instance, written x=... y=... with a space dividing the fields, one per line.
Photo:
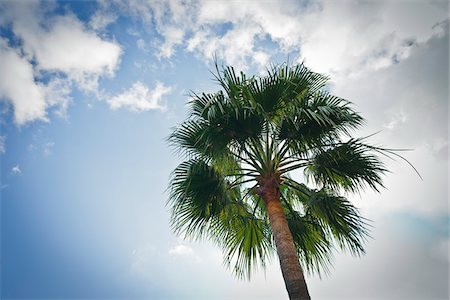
x=273 y=126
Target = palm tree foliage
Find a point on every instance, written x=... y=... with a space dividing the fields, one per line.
x=272 y=125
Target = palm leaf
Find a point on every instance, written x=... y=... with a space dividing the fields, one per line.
x=350 y=165
x=318 y=121
x=198 y=193
x=247 y=242
x=340 y=218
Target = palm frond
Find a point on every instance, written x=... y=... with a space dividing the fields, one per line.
x=340 y=218
x=339 y=221
x=231 y=82
x=204 y=104
x=247 y=243
x=198 y=138
x=319 y=120
x=350 y=165
x=204 y=206
x=312 y=243
x=197 y=194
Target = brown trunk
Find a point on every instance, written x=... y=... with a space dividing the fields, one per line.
x=290 y=265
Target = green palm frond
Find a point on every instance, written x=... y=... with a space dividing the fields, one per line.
x=351 y=165
x=247 y=243
x=198 y=138
x=203 y=205
x=336 y=217
x=282 y=89
x=320 y=120
x=198 y=193
x=312 y=242
x=204 y=104
x=215 y=125
x=340 y=218
x=302 y=83
x=231 y=82
x=268 y=92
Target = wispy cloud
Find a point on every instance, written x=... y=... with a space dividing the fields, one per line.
x=140 y=98
x=16 y=170
x=48 y=148
x=181 y=250
x=100 y=20
x=398 y=119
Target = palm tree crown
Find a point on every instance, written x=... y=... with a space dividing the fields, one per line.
x=246 y=140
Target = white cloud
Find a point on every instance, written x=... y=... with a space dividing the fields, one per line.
x=240 y=54
x=88 y=53
x=60 y=46
x=139 y=97
x=410 y=100
x=181 y=250
x=70 y=48
x=100 y=20
x=172 y=36
x=57 y=95
x=30 y=98
x=373 y=35
x=345 y=37
x=16 y=170
x=18 y=86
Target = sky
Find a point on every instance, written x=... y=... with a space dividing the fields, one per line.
x=90 y=90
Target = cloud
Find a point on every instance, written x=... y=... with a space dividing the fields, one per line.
x=100 y=20
x=18 y=86
x=139 y=97
x=16 y=170
x=59 y=47
x=410 y=101
x=30 y=98
x=172 y=37
x=48 y=148
x=398 y=119
x=243 y=34
x=63 y=44
x=181 y=250
x=373 y=35
x=406 y=243
x=409 y=98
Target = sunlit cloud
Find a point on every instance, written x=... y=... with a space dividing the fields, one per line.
x=140 y=98
x=64 y=48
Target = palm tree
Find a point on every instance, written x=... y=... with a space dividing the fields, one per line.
x=242 y=146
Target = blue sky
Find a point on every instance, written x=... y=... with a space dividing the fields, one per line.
x=89 y=91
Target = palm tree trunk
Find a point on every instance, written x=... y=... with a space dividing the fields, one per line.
x=289 y=262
